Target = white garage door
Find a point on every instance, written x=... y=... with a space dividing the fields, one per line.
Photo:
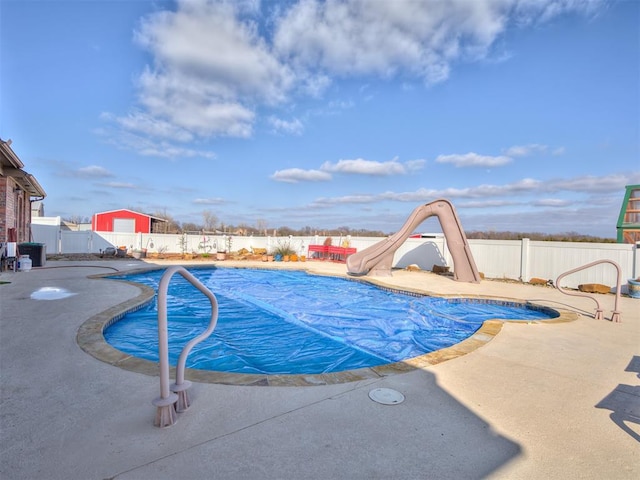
x=124 y=225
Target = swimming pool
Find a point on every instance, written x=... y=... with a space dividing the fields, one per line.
x=291 y=322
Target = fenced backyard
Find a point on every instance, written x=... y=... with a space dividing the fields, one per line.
x=519 y=260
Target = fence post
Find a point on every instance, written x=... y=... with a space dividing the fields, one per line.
x=524 y=260
x=446 y=255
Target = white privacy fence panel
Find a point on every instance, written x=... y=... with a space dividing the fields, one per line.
x=194 y=243
x=47 y=234
x=524 y=260
x=550 y=259
x=498 y=258
x=75 y=242
x=104 y=240
x=508 y=259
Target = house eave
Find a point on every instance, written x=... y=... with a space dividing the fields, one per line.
x=26 y=181
x=9 y=158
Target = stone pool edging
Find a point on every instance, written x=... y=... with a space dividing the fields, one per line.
x=90 y=338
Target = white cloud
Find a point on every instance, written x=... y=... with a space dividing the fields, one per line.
x=333 y=107
x=215 y=64
x=357 y=166
x=525 y=150
x=347 y=199
x=551 y=202
x=144 y=123
x=295 y=175
x=487 y=204
x=209 y=201
x=537 y=11
x=313 y=85
x=209 y=43
x=520 y=187
x=210 y=67
x=420 y=195
x=293 y=127
x=93 y=171
x=371 y=167
x=415 y=165
x=481 y=191
x=521 y=192
x=472 y=159
x=592 y=184
x=598 y=221
x=360 y=37
x=166 y=150
x=415 y=38
x=188 y=104
x=150 y=147
x=122 y=185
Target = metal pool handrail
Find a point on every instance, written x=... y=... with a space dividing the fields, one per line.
x=174 y=398
x=616 y=316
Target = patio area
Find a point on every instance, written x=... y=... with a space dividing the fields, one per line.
x=538 y=401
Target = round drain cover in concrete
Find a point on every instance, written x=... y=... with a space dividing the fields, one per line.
x=386 y=396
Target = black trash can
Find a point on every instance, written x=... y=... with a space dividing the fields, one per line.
x=37 y=253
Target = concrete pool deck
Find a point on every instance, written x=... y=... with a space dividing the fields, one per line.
x=558 y=400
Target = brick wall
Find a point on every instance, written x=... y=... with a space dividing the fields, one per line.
x=15 y=210
x=4 y=199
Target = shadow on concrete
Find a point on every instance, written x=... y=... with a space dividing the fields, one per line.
x=634 y=365
x=624 y=402
x=425 y=256
x=346 y=435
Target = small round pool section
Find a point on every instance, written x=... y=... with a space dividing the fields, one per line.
x=291 y=322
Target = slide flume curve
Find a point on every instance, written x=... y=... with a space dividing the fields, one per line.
x=377 y=259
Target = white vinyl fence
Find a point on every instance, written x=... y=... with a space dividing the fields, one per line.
x=504 y=259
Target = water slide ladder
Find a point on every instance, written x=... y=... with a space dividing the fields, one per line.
x=616 y=315
x=174 y=398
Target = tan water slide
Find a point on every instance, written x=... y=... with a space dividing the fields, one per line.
x=378 y=259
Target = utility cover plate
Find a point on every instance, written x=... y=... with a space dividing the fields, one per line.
x=386 y=396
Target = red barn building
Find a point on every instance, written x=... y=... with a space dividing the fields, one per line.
x=126 y=221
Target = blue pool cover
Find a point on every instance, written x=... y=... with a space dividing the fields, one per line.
x=291 y=322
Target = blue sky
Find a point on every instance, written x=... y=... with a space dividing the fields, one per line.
x=524 y=114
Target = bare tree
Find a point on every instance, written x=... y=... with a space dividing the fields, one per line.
x=77 y=219
x=191 y=227
x=209 y=220
x=284 y=231
x=261 y=226
x=170 y=226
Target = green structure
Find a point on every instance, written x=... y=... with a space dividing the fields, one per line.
x=628 y=226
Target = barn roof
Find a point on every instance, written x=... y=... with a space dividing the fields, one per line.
x=159 y=219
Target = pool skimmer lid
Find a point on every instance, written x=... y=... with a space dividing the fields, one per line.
x=386 y=396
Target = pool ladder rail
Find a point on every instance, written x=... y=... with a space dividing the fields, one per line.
x=616 y=315
x=174 y=398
